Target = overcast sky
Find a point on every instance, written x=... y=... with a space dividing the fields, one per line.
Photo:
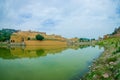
x=69 y=18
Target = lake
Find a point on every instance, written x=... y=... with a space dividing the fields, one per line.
x=46 y=62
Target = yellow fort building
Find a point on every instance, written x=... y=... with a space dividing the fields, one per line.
x=29 y=37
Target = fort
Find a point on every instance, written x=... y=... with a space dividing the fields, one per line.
x=29 y=38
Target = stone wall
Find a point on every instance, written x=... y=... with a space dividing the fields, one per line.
x=45 y=43
x=22 y=36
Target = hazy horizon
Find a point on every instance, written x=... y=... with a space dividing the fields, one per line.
x=69 y=18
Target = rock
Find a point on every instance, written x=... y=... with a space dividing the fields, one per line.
x=111 y=67
x=89 y=66
x=94 y=76
x=105 y=75
x=111 y=63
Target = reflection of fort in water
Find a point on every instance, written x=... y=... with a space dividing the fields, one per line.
x=34 y=51
x=29 y=51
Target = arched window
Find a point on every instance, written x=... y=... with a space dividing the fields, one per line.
x=12 y=41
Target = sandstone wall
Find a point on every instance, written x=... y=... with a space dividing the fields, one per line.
x=45 y=43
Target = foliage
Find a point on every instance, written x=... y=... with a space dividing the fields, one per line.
x=28 y=38
x=117 y=51
x=116 y=30
x=84 y=40
x=108 y=63
x=39 y=37
x=5 y=34
x=40 y=52
x=5 y=53
x=92 y=39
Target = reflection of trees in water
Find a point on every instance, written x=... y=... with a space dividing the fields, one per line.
x=19 y=52
x=30 y=52
x=40 y=52
x=83 y=46
x=5 y=53
x=76 y=47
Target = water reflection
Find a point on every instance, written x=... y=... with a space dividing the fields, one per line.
x=46 y=62
x=33 y=51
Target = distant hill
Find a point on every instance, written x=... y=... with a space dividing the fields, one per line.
x=116 y=31
x=5 y=34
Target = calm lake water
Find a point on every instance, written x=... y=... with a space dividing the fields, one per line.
x=46 y=63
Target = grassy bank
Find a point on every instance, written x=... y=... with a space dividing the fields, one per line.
x=107 y=66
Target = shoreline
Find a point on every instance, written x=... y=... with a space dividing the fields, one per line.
x=106 y=67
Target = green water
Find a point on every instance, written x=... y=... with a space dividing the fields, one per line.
x=46 y=63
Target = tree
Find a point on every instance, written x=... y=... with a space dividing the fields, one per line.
x=84 y=40
x=6 y=33
x=39 y=37
x=116 y=30
x=28 y=38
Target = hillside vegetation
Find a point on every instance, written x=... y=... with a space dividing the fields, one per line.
x=107 y=66
x=5 y=34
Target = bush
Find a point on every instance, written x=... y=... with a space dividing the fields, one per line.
x=117 y=51
x=6 y=33
x=39 y=37
x=28 y=38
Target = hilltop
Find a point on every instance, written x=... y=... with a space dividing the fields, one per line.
x=115 y=33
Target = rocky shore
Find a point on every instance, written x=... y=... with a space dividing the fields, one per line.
x=107 y=66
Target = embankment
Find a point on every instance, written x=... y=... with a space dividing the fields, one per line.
x=107 y=66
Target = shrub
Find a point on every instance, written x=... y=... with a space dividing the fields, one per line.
x=28 y=38
x=39 y=37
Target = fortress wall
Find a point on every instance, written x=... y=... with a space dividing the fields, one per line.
x=45 y=43
x=19 y=37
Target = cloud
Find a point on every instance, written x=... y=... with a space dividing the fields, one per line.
x=69 y=18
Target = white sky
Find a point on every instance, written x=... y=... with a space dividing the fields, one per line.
x=69 y=18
